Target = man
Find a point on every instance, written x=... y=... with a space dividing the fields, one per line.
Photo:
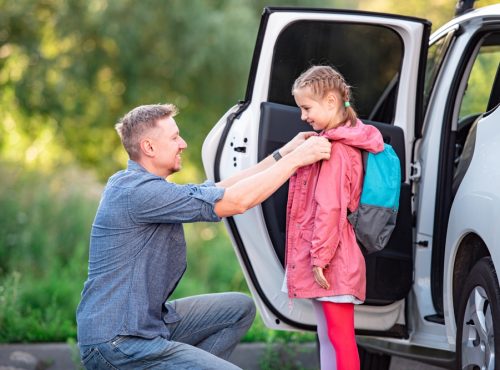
x=138 y=252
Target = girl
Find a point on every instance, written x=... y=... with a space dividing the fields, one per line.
x=323 y=259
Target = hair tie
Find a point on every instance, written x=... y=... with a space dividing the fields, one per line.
x=347 y=104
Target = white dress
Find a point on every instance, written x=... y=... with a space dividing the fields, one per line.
x=343 y=298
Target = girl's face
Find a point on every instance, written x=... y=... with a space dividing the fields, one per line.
x=320 y=113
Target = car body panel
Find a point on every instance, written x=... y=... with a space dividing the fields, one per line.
x=478 y=196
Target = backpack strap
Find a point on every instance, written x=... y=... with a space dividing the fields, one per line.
x=364 y=155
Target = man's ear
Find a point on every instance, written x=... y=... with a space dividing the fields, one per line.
x=147 y=147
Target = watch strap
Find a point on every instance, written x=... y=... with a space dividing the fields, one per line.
x=276 y=155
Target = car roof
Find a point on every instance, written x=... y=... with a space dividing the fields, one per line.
x=486 y=11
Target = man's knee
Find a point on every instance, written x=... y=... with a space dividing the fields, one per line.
x=246 y=305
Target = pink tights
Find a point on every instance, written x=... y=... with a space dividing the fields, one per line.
x=338 y=349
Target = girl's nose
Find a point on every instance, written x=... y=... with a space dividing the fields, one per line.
x=303 y=116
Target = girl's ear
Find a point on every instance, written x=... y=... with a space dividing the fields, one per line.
x=332 y=99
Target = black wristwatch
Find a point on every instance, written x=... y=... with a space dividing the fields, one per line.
x=276 y=155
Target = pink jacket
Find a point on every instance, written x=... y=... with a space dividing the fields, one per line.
x=318 y=232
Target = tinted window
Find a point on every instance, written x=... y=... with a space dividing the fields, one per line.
x=435 y=57
x=369 y=57
x=481 y=78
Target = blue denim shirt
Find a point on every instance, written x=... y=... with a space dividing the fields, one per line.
x=138 y=254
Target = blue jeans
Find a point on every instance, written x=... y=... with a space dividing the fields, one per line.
x=210 y=328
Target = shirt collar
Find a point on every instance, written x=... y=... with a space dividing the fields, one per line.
x=134 y=166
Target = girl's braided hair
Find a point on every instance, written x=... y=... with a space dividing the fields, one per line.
x=324 y=79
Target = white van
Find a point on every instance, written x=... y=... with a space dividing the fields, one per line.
x=433 y=292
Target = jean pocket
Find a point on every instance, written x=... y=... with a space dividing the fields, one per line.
x=140 y=348
x=128 y=345
x=118 y=339
x=92 y=359
x=87 y=354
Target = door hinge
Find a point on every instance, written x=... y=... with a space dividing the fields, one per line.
x=415 y=171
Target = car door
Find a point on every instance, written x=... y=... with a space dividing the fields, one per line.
x=382 y=56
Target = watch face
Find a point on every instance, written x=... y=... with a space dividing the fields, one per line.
x=277 y=155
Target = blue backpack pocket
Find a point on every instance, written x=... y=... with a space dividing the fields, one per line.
x=375 y=218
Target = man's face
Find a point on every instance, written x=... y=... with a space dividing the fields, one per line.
x=168 y=146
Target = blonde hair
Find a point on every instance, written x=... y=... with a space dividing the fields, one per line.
x=135 y=123
x=324 y=79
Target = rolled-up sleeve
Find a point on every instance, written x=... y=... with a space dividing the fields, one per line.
x=160 y=201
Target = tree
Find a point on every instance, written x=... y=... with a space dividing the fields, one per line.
x=77 y=65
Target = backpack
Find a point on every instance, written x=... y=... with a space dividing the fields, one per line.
x=375 y=218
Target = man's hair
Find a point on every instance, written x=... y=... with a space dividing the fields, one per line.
x=135 y=123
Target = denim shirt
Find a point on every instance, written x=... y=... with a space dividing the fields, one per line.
x=138 y=254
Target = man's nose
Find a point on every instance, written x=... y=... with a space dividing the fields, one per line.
x=183 y=144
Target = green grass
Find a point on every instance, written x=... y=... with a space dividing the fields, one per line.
x=45 y=222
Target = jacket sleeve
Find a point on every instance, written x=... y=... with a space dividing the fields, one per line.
x=332 y=196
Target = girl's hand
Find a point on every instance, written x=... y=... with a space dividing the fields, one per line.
x=319 y=276
x=296 y=141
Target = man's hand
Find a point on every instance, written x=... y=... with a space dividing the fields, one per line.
x=319 y=276
x=252 y=186
x=296 y=141
x=313 y=149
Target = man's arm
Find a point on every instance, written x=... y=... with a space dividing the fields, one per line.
x=268 y=161
x=265 y=178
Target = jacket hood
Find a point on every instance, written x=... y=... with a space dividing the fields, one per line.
x=365 y=137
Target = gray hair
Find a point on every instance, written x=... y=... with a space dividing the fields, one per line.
x=135 y=123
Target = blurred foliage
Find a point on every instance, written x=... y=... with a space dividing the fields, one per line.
x=481 y=78
x=437 y=11
x=74 y=66
x=70 y=68
x=45 y=222
x=43 y=250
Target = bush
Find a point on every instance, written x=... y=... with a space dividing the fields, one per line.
x=45 y=223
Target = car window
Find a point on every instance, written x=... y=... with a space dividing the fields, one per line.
x=369 y=57
x=482 y=76
x=435 y=57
